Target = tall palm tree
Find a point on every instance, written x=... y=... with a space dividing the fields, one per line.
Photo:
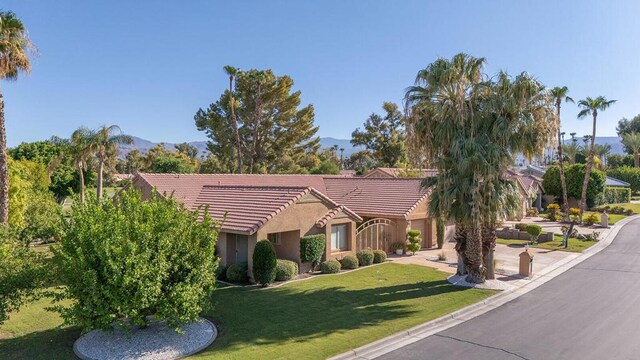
x=632 y=141
x=232 y=73
x=15 y=48
x=80 y=149
x=559 y=95
x=105 y=142
x=590 y=106
x=471 y=128
x=602 y=151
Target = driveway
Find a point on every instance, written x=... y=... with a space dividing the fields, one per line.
x=589 y=312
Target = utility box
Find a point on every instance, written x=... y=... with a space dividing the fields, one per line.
x=526 y=264
x=604 y=220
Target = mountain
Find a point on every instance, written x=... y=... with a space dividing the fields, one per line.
x=614 y=141
x=144 y=145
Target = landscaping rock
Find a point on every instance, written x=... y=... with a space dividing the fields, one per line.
x=156 y=342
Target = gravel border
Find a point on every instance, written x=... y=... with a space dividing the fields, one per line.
x=459 y=280
x=156 y=342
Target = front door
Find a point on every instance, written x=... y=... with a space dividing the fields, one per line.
x=242 y=248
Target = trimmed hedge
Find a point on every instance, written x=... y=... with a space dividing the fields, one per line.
x=349 y=262
x=613 y=195
x=286 y=270
x=264 y=263
x=238 y=273
x=365 y=257
x=312 y=249
x=534 y=231
x=379 y=256
x=628 y=174
x=330 y=267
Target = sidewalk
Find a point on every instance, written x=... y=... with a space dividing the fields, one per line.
x=521 y=287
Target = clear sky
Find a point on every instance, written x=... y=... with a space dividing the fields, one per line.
x=149 y=65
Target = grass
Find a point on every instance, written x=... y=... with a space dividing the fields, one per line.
x=575 y=245
x=311 y=319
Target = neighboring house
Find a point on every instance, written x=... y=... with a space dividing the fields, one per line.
x=353 y=212
x=530 y=190
x=539 y=172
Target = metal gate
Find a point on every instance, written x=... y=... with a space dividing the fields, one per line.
x=375 y=234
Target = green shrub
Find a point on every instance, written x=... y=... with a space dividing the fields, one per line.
x=591 y=219
x=534 y=231
x=574 y=176
x=349 y=262
x=238 y=273
x=264 y=263
x=221 y=273
x=330 y=267
x=521 y=226
x=124 y=259
x=286 y=270
x=553 y=210
x=365 y=257
x=413 y=233
x=440 y=230
x=532 y=212
x=614 y=195
x=398 y=246
x=312 y=249
x=574 y=214
x=414 y=240
x=379 y=256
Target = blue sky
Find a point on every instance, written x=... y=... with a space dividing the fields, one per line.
x=149 y=65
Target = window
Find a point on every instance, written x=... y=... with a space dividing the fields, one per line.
x=274 y=238
x=339 y=237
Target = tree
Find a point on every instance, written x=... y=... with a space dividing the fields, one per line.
x=590 y=106
x=134 y=161
x=471 y=127
x=384 y=136
x=105 y=142
x=626 y=126
x=631 y=141
x=22 y=273
x=574 y=175
x=15 y=47
x=271 y=123
x=172 y=163
x=571 y=150
x=559 y=95
x=80 y=149
x=602 y=151
x=188 y=150
x=124 y=259
x=361 y=161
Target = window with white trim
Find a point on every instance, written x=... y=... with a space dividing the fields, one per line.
x=339 y=237
x=274 y=238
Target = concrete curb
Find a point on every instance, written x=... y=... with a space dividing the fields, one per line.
x=406 y=337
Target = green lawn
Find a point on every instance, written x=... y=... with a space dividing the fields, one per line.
x=311 y=319
x=613 y=218
x=575 y=245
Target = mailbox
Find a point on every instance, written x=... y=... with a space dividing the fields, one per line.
x=526 y=264
x=604 y=219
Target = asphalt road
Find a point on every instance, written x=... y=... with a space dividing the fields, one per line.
x=592 y=311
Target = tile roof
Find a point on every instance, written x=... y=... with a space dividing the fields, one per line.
x=357 y=196
x=399 y=172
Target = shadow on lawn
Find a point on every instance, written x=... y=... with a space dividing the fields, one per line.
x=247 y=317
x=56 y=343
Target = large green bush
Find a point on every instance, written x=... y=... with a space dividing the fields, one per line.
x=330 y=267
x=365 y=257
x=264 y=263
x=379 y=256
x=126 y=259
x=238 y=273
x=534 y=231
x=574 y=175
x=614 y=195
x=627 y=173
x=286 y=270
x=440 y=230
x=349 y=262
x=312 y=249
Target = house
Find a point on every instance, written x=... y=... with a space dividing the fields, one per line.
x=353 y=212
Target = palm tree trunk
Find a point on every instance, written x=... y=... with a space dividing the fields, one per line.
x=488 y=245
x=461 y=246
x=256 y=125
x=565 y=201
x=100 y=176
x=476 y=272
x=636 y=158
x=234 y=124
x=4 y=168
x=81 y=175
x=587 y=172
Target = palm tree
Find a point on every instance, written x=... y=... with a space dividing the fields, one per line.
x=105 y=142
x=80 y=149
x=233 y=72
x=632 y=141
x=471 y=128
x=15 y=47
x=559 y=95
x=571 y=150
x=602 y=151
x=591 y=107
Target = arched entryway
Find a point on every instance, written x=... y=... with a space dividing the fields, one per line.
x=375 y=234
